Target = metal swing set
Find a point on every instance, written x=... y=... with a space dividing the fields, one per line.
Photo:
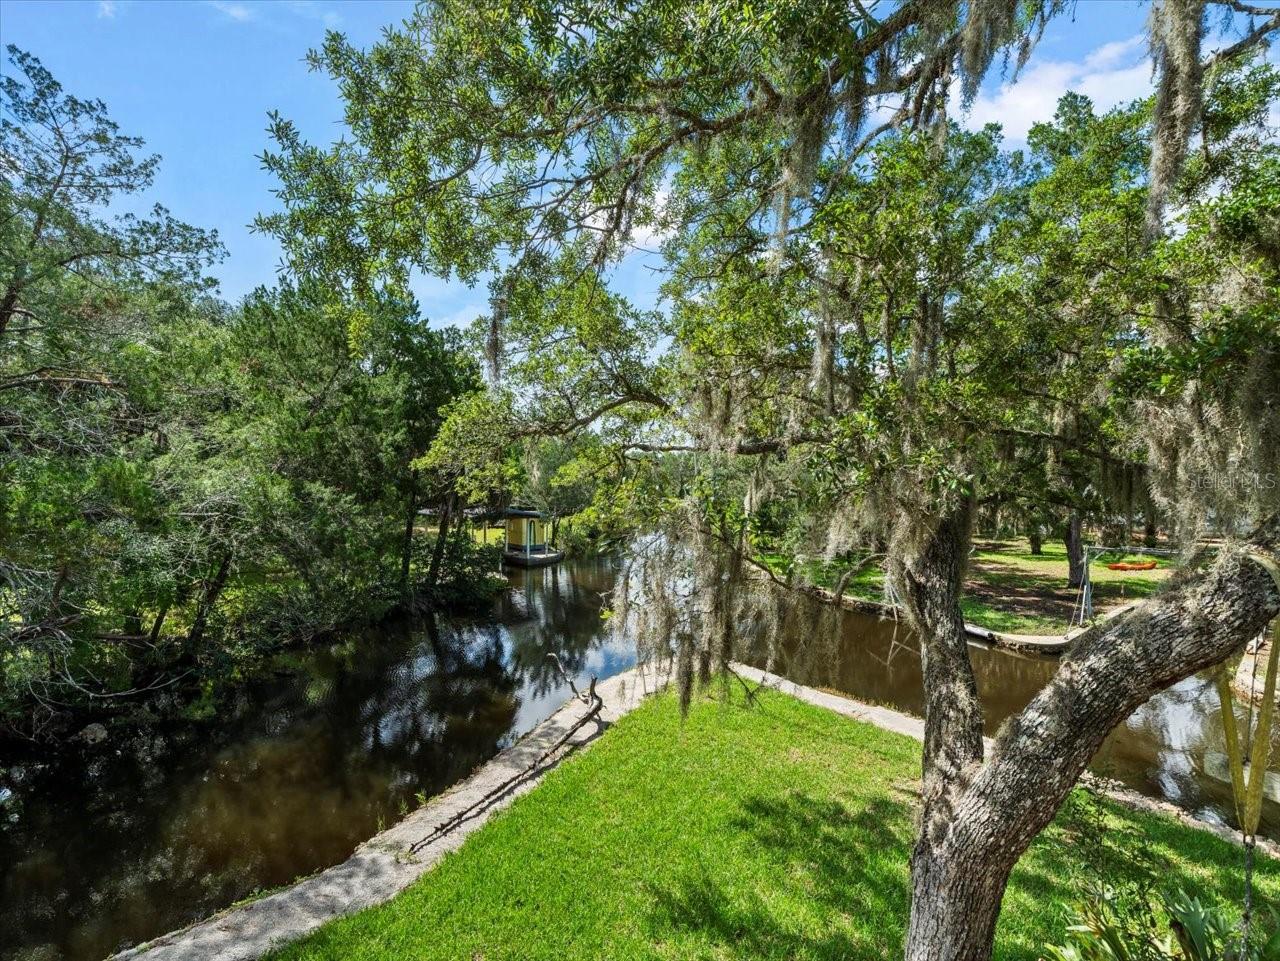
x=1082 y=610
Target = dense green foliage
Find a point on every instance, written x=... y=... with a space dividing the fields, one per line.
x=880 y=330
x=1175 y=927
x=186 y=485
x=775 y=831
x=867 y=324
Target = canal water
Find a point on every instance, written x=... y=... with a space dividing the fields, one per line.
x=115 y=844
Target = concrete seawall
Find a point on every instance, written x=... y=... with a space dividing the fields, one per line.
x=385 y=865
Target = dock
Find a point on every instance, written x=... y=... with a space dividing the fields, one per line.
x=540 y=558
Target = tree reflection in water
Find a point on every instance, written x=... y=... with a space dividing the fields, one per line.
x=123 y=842
x=111 y=846
x=1160 y=751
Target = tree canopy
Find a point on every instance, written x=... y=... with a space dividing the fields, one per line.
x=186 y=485
x=877 y=326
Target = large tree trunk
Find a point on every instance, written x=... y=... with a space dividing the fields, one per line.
x=955 y=902
x=978 y=819
x=947 y=892
x=1074 y=540
x=1036 y=537
x=929 y=580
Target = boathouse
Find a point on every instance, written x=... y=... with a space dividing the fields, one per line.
x=527 y=536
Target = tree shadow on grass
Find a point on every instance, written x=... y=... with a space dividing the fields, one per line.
x=823 y=879
x=1093 y=840
x=828 y=882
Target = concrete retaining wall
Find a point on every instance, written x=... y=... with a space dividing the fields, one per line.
x=383 y=866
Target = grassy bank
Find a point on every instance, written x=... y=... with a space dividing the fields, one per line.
x=779 y=831
x=1008 y=588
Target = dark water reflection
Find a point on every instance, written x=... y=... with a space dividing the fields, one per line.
x=1162 y=750
x=120 y=843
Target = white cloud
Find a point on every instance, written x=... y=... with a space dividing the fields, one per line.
x=650 y=236
x=270 y=15
x=642 y=238
x=1116 y=52
x=1112 y=74
x=314 y=11
x=106 y=9
x=462 y=317
x=234 y=11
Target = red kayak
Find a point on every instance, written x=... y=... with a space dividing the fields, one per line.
x=1125 y=566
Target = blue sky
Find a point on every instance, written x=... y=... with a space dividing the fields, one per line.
x=197 y=78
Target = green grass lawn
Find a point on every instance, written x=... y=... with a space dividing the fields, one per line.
x=1008 y=588
x=778 y=831
x=480 y=533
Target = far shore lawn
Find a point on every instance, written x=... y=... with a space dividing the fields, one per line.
x=777 y=831
x=1011 y=590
